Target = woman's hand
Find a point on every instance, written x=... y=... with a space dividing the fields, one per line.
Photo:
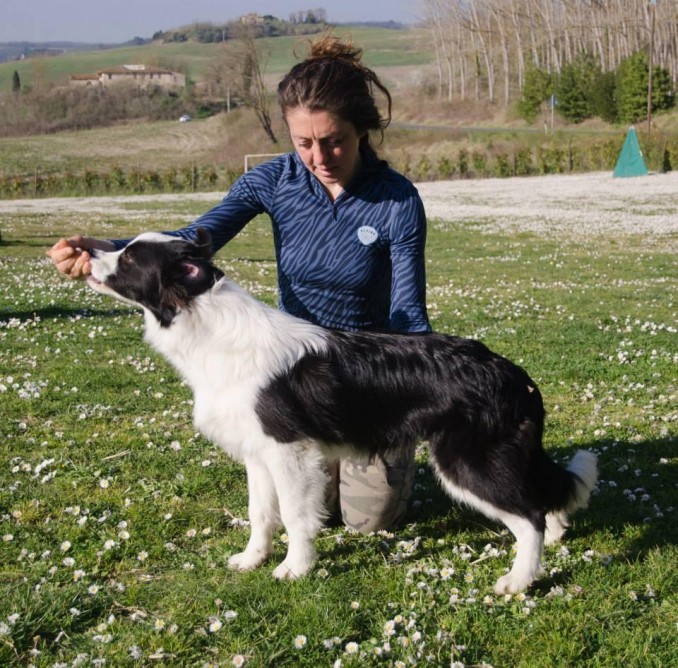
x=72 y=258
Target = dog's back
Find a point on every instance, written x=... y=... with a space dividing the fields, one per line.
x=291 y=393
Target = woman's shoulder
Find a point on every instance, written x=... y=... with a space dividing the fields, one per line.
x=381 y=175
x=275 y=166
x=264 y=180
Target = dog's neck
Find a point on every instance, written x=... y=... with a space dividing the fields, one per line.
x=228 y=329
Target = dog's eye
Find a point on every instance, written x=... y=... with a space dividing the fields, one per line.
x=126 y=258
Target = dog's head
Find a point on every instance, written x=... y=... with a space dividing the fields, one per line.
x=158 y=272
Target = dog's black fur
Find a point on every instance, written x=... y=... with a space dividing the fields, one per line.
x=328 y=391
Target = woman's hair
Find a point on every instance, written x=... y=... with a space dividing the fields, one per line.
x=333 y=79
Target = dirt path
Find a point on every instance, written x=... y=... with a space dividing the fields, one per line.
x=579 y=204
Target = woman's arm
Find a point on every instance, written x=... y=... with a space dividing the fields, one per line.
x=408 y=279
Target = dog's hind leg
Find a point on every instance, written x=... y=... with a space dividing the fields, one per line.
x=264 y=516
x=529 y=531
x=529 y=544
x=300 y=475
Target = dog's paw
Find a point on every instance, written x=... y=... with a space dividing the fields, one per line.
x=510 y=584
x=246 y=561
x=288 y=571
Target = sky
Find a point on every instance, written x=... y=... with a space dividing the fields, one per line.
x=108 y=21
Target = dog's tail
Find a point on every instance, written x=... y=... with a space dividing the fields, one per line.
x=569 y=489
x=584 y=471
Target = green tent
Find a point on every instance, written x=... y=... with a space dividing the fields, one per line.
x=630 y=161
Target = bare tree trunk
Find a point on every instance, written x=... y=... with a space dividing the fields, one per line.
x=242 y=68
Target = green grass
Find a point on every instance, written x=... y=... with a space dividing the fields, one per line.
x=98 y=446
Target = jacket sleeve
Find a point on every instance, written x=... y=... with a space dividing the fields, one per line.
x=250 y=195
x=408 y=278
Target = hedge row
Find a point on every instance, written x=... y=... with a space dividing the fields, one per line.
x=117 y=181
x=661 y=154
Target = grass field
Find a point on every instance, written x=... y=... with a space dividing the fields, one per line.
x=383 y=48
x=117 y=519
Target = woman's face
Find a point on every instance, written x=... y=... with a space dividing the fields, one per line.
x=327 y=145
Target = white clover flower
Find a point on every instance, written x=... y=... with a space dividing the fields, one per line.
x=352 y=648
x=65 y=546
x=93 y=590
x=142 y=556
x=159 y=624
x=230 y=615
x=238 y=661
x=300 y=642
x=109 y=544
x=389 y=628
x=215 y=626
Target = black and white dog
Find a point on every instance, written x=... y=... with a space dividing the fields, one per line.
x=285 y=396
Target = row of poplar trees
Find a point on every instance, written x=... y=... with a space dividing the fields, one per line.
x=494 y=49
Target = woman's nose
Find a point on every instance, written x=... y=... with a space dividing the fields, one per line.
x=318 y=154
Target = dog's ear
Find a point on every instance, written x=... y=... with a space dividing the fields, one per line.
x=203 y=242
x=193 y=272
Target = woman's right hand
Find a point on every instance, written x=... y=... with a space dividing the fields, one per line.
x=72 y=257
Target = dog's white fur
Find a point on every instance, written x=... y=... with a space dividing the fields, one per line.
x=227 y=346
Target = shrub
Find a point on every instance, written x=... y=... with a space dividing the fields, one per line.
x=445 y=168
x=479 y=162
x=502 y=166
x=463 y=162
x=522 y=162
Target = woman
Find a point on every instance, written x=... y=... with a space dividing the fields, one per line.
x=349 y=236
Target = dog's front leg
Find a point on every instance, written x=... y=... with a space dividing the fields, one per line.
x=264 y=517
x=300 y=476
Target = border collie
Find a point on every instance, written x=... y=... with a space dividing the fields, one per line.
x=284 y=396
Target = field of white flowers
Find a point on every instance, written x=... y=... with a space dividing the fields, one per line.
x=116 y=519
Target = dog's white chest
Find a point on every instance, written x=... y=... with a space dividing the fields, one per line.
x=228 y=419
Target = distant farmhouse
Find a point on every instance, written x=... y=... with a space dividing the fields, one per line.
x=138 y=75
x=252 y=19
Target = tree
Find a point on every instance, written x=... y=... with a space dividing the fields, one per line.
x=632 y=85
x=239 y=71
x=16 y=82
x=537 y=89
x=574 y=88
x=603 y=97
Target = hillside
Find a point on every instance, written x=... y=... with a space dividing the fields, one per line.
x=383 y=48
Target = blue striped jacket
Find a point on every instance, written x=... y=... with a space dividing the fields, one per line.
x=356 y=263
